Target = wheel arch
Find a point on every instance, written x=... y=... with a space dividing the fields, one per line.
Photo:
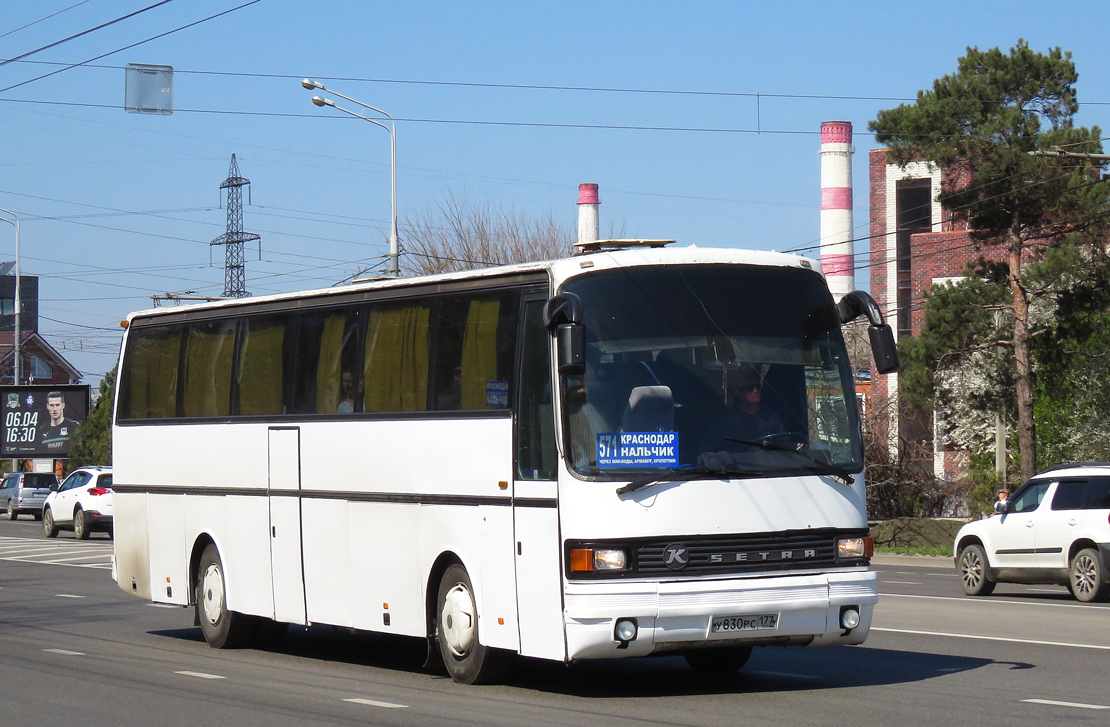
x=445 y=560
x=1082 y=544
x=971 y=540
x=203 y=540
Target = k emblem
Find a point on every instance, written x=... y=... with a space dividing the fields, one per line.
x=676 y=556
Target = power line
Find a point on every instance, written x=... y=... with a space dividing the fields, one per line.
x=83 y=32
x=128 y=47
x=541 y=87
x=36 y=22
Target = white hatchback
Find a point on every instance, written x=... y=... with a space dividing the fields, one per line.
x=82 y=503
x=1054 y=530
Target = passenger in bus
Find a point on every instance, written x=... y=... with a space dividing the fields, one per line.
x=746 y=419
x=450 y=396
x=346 y=403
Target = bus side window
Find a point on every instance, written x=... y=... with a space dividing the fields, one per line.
x=150 y=373
x=260 y=383
x=395 y=363
x=535 y=428
x=474 y=351
x=209 y=347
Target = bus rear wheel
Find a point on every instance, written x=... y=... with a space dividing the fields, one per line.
x=222 y=629
x=467 y=660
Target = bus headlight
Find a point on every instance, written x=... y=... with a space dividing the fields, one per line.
x=847 y=548
x=590 y=560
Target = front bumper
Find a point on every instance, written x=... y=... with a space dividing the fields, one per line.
x=676 y=616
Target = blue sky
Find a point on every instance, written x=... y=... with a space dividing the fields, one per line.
x=117 y=207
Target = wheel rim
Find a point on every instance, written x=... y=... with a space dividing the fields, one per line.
x=971 y=570
x=47 y=521
x=79 y=523
x=11 y=509
x=1084 y=575
x=459 y=620
x=212 y=594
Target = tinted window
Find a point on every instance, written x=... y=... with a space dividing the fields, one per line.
x=473 y=353
x=1070 y=495
x=1098 y=493
x=209 y=348
x=38 y=479
x=261 y=364
x=535 y=424
x=325 y=349
x=77 y=479
x=1029 y=497
x=150 y=373
x=104 y=481
x=395 y=369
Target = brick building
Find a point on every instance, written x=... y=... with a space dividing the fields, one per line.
x=915 y=243
x=41 y=362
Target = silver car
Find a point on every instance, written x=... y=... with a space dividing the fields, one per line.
x=24 y=493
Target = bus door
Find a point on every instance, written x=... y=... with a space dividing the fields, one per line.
x=284 y=494
x=539 y=583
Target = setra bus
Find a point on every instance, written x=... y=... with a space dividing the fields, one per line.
x=555 y=459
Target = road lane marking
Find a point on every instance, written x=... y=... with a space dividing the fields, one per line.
x=376 y=703
x=64 y=652
x=163 y=605
x=199 y=675
x=66 y=595
x=1033 y=642
x=988 y=601
x=1054 y=703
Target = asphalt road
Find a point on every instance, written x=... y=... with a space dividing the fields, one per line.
x=74 y=649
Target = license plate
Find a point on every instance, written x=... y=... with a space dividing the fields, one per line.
x=754 y=622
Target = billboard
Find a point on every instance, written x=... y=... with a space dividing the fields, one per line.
x=39 y=421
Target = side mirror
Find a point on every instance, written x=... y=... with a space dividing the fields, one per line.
x=563 y=314
x=883 y=346
x=55 y=487
x=1000 y=507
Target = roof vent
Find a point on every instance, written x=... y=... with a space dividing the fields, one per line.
x=582 y=248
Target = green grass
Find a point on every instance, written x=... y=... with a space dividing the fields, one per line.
x=938 y=550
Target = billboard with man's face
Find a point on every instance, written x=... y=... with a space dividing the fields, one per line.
x=39 y=421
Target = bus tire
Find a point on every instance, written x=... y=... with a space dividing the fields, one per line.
x=457 y=628
x=718 y=661
x=222 y=629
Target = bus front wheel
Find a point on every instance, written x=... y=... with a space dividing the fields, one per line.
x=222 y=629
x=466 y=659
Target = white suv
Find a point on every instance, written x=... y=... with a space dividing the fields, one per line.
x=1054 y=530
x=82 y=503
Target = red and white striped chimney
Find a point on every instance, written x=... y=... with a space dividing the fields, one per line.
x=836 y=207
x=587 y=213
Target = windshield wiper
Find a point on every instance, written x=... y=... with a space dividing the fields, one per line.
x=815 y=465
x=685 y=473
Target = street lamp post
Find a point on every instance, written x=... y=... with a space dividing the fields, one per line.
x=394 y=269
x=17 y=364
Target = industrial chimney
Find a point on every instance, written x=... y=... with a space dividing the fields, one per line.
x=837 y=260
x=587 y=213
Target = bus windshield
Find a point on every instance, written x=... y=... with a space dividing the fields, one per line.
x=722 y=369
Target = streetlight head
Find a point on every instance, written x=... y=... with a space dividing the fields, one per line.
x=310 y=84
x=322 y=101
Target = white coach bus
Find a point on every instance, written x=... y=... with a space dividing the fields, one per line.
x=559 y=459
